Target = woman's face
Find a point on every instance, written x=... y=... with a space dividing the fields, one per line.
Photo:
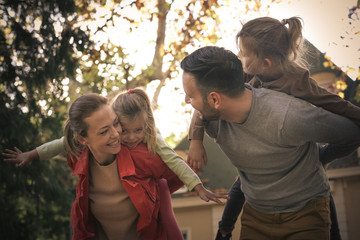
x=133 y=132
x=103 y=135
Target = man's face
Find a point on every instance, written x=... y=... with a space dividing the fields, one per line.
x=194 y=97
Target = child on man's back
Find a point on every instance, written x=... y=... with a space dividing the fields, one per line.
x=273 y=54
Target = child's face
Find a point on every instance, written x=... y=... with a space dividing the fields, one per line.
x=251 y=64
x=133 y=131
x=103 y=135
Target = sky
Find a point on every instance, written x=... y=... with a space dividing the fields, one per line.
x=324 y=22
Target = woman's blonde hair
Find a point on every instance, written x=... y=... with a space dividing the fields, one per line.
x=134 y=103
x=270 y=38
x=75 y=125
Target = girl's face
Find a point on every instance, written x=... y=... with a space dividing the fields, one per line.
x=103 y=135
x=251 y=64
x=133 y=132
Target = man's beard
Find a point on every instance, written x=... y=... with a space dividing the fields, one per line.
x=210 y=113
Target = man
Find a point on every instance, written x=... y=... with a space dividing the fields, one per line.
x=271 y=138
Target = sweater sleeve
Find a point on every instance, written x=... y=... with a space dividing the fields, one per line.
x=176 y=164
x=51 y=149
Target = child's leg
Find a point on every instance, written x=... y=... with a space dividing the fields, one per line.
x=232 y=208
x=167 y=213
x=334 y=228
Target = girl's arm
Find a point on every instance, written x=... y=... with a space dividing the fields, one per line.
x=176 y=163
x=43 y=152
x=304 y=87
x=185 y=173
x=196 y=129
x=51 y=149
x=19 y=157
x=197 y=151
x=309 y=90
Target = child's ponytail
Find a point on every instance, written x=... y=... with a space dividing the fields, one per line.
x=280 y=41
x=294 y=30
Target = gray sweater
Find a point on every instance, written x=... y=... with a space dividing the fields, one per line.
x=276 y=151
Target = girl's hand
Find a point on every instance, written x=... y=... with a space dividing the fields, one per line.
x=196 y=154
x=207 y=195
x=19 y=157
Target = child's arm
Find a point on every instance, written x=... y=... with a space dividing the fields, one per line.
x=196 y=129
x=176 y=163
x=185 y=173
x=196 y=149
x=331 y=102
x=306 y=88
x=19 y=157
x=43 y=152
x=51 y=149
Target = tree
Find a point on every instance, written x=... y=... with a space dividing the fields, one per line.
x=37 y=54
x=44 y=47
x=51 y=52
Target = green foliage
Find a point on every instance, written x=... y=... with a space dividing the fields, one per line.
x=37 y=46
x=50 y=53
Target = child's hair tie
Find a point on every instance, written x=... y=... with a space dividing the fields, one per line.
x=284 y=21
x=131 y=91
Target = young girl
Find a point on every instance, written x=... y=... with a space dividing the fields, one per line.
x=117 y=195
x=138 y=112
x=135 y=114
x=272 y=52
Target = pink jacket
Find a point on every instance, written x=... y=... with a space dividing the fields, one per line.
x=138 y=170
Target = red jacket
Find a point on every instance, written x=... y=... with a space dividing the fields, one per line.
x=138 y=170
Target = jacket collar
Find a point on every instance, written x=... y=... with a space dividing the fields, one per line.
x=126 y=165
x=82 y=163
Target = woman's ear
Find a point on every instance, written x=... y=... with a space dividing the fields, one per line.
x=214 y=100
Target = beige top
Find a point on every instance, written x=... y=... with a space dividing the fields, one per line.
x=110 y=204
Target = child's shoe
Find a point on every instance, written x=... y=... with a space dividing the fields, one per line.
x=219 y=236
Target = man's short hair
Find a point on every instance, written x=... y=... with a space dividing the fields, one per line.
x=215 y=69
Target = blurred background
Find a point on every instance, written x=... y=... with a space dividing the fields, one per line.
x=51 y=52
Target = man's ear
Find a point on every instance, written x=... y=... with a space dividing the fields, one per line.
x=214 y=100
x=81 y=139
